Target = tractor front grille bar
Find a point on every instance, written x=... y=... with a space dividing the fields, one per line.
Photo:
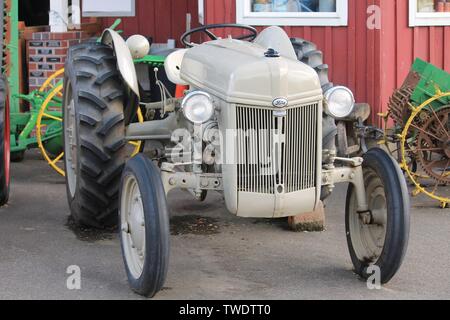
x=277 y=153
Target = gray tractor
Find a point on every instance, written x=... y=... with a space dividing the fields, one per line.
x=257 y=122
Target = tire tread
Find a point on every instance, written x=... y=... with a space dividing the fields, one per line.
x=307 y=53
x=99 y=96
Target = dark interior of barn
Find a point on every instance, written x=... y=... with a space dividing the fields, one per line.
x=34 y=13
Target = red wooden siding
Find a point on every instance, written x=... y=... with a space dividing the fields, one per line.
x=160 y=19
x=370 y=62
x=401 y=45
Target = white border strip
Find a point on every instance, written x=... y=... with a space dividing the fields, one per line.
x=421 y=19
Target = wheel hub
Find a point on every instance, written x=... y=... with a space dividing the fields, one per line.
x=369 y=229
x=133 y=226
x=136 y=224
x=378 y=205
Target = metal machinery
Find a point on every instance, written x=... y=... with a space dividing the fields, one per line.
x=36 y=117
x=420 y=111
x=49 y=116
x=23 y=116
x=9 y=85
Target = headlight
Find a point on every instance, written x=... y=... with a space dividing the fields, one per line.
x=341 y=102
x=198 y=107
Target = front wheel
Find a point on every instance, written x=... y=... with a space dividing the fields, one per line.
x=380 y=237
x=144 y=219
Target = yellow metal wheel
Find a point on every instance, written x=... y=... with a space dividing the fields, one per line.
x=44 y=114
x=422 y=181
x=137 y=144
x=395 y=152
x=49 y=82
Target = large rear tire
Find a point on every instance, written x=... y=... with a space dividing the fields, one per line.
x=4 y=143
x=144 y=219
x=381 y=238
x=307 y=53
x=94 y=134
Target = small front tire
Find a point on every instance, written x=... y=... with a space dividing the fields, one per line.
x=144 y=234
x=380 y=239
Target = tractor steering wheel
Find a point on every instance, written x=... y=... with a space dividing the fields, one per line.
x=206 y=29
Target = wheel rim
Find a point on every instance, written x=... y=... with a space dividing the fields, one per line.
x=423 y=186
x=56 y=116
x=49 y=82
x=70 y=144
x=368 y=233
x=133 y=226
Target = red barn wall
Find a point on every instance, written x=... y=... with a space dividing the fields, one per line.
x=349 y=51
x=370 y=62
x=160 y=19
x=400 y=45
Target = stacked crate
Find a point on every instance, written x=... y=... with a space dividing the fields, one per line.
x=46 y=52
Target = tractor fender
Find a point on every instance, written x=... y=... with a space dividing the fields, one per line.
x=126 y=68
x=124 y=59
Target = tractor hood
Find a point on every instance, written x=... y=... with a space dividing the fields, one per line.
x=242 y=73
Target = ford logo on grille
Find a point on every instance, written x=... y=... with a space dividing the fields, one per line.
x=280 y=103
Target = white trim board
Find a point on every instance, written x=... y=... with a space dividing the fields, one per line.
x=109 y=8
x=419 y=19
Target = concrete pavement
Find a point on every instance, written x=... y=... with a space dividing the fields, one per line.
x=214 y=255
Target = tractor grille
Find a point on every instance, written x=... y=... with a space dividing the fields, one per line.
x=277 y=154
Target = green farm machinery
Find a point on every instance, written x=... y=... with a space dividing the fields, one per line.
x=25 y=124
x=420 y=111
x=9 y=85
x=34 y=119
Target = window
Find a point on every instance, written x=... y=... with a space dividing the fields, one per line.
x=429 y=13
x=109 y=8
x=293 y=12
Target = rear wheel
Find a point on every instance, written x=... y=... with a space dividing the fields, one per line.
x=308 y=53
x=4 y=143
x=379 y=237
x=94 y=134
x=144 y=220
